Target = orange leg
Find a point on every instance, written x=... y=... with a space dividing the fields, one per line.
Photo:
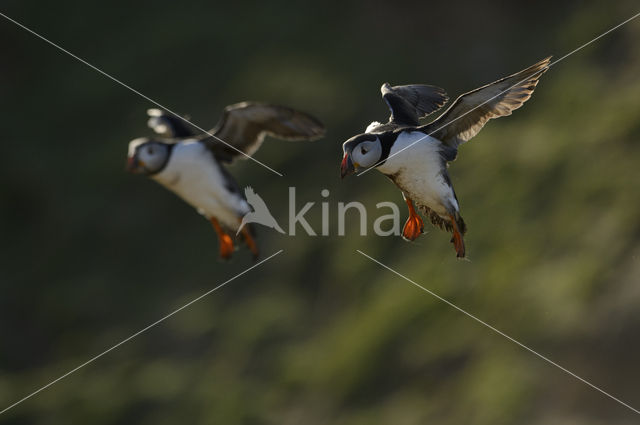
x=226 y=243
x=251 y=243
x=457 y=240
x=414 y=225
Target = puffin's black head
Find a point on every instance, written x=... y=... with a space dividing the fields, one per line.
x=147 y=156
x=361 y=151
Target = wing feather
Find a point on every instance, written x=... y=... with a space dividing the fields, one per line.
x=471 y=111
x=410 y=103
x=169 y=125
x=244 y=126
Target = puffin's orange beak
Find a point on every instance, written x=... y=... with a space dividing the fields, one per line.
x=132 y=164
x=346 y=168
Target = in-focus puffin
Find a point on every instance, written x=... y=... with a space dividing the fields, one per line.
x=191 y=165
x=415 y=157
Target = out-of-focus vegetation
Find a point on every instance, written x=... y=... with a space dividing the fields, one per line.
x=319 y=334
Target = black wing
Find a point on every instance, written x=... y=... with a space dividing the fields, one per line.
x=244 y=126
x=410 y=103
x=168 y=125
x=471 y=111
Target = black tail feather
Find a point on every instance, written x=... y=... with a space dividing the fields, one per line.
x=444 y=223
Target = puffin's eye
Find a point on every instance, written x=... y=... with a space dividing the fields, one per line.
x=363 y=150
x=150 y=151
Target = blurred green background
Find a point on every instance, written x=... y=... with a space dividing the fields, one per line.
x=319 y=335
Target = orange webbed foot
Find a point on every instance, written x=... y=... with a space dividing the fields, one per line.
x=226 y=243
x=456 y=239
x=414 y=225
x=251 y=242
x=412 y=228
x=226 y=246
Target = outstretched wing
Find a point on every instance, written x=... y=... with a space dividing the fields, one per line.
x=410 y=103
x=168 y=125
x=244 y=126
x=471 y=111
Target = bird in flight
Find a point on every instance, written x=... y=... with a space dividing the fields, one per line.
x=416 y=157
x=193 y=165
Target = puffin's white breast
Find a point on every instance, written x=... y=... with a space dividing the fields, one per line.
x=193 y=174
x=417 y=167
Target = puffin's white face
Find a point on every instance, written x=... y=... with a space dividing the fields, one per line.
x=361 y=151
x=147 y=156
x=366 y=153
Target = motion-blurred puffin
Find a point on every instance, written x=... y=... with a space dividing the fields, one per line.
x=415 y=157
x=190 y=165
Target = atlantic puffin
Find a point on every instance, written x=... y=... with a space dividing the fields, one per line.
x=192 y=165
x=416 y=157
